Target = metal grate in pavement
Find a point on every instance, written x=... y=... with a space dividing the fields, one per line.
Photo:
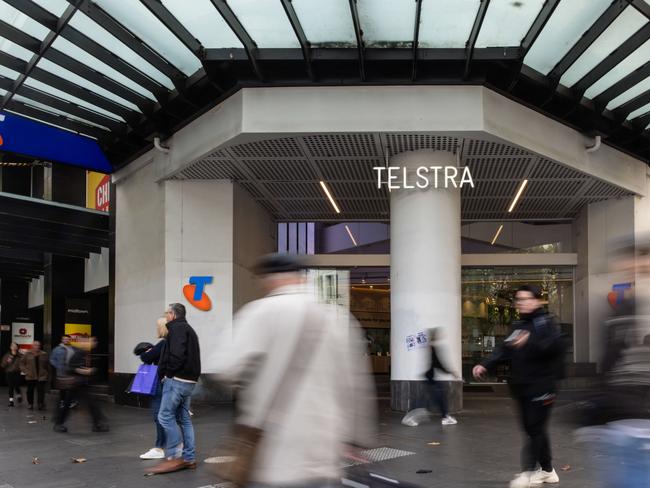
x=378 y=455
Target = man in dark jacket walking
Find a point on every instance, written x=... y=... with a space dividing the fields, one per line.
x=535 y=351
x=179 y=368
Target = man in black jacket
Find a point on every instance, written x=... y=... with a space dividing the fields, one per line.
x=535 y=351
x=179 y=368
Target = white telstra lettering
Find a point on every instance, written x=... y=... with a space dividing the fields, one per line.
x=466 y=177
x=379 y=170
x=450 y=174
x=435 y=175
x=391 y=177
x=423 y=179
x=449 y=177
x=405 y=182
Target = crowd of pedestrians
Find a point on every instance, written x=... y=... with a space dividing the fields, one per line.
x=302 y=386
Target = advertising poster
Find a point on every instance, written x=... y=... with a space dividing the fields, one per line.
x=22 y=333
x=77 y=322
x=98 y=186
x=79 y=335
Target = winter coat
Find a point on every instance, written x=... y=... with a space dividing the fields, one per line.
x=10 y=363
x=180 y=356
x=36 y=366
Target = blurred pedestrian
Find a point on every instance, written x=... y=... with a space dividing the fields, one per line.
x=440 y=387
x=179 y=367
x=73 y=382
x=11 y=364
x=36 y=368
x=305 y=390
x=151 y=355
x=535 y=351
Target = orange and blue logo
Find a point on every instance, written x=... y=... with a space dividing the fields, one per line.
x=195 y=294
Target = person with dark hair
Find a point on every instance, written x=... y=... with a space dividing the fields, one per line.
x=535 y=350
x=179 y=367
x=11 y=364
x=75 y=385
x=440 y=388
x=36 y=368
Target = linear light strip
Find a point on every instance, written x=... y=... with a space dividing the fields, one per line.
x=518 y=195
x=496 y=236
x=331 y=198
x=350 y=234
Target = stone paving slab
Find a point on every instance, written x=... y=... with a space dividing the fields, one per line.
x=482 y=451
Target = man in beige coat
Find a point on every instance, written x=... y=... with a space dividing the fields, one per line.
x=326 y=406
x=35 y=365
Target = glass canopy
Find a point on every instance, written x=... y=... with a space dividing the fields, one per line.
x=145 y=66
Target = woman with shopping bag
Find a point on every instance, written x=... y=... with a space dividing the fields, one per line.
x=147 y=382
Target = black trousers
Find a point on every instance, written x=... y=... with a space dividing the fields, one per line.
x=83 y=397
x=40 y=392
x=13 y=381
x=438 y=395
x=535 y=412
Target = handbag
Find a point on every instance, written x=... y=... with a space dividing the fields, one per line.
x=241 y=445
x=145 y=381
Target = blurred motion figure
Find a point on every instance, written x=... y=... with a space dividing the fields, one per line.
x=305 y=388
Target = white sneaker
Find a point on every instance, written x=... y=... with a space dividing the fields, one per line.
x=449 y=420
x=153 y=453
x=524 y=480
x=542 y=476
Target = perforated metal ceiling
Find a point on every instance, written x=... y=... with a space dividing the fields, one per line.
x=283 y=175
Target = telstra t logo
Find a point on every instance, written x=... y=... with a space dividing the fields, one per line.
x=194 y=292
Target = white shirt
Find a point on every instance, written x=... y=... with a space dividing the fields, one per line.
x=331 y=403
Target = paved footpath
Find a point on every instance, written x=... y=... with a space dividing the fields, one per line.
x=481 y=451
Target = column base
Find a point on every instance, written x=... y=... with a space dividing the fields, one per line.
x=407 y=395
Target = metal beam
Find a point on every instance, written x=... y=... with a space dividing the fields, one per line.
x=104 y=54
x=642 y=6
x=607 y=64
x=416 y=39
x=45 y=45
x=538 y=26
x=131 y=41
x=72 y=108
x=622 y=86
x=233 y=22
x=359 y=35
x=161 y=12
x=630 y=106
x=38 y=246
x=305 y=45
x=587 y=39
x=471 y=42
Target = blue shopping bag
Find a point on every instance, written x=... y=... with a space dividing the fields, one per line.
x=145 y=381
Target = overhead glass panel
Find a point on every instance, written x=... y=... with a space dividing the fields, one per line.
x=8 y=73
x=565 y=27
x=266 y=23
x=20 y=21
x=447 y=23
x=74 y=78
x=6 y=46
x=387 y=23
x=506 y=22
x=633 y=92
x=621 y=70
x=204 y=22
x=625 y=25
x=57 y=7
x=70 y=98
x=47 y=108
x=90 y=28
x=2 y=92
x=138 y=19
x=83 y=57
x=326 y=24
x=639 y=112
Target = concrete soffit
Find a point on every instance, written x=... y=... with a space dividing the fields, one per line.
x=255 y=114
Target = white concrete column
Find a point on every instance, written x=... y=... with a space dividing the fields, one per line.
x=425 y=267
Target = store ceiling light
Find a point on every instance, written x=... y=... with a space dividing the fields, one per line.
x=350 y=234
x=329 y=195
x=518 y=195
x=496 y=236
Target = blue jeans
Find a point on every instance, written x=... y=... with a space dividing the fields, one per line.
x=155 y=408
x=175 y=412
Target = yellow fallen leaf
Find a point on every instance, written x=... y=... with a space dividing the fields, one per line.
x=566 y=467
x=79 y=460
x=36 y=461
x=433 y=444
